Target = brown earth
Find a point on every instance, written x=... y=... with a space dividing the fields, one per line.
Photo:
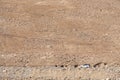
x=35 y=34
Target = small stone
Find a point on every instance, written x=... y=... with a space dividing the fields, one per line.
x=2 y=55
x=75 y=66
x=106 y=34
x=107 y=79
x=49 y=46
x=4 y=71
x=85 y=66
x=74 y=29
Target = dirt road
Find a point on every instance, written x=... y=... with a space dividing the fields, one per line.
x=61 y=35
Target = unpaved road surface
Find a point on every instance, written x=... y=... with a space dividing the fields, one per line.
x=51 y=39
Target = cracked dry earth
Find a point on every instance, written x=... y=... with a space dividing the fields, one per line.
x=59 y=39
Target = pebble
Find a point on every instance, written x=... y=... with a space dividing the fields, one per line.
x=85 y=66
x=4 y=71
x=49 y=46
x=107 y=79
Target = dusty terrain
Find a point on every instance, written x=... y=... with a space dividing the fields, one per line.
x=51 y=39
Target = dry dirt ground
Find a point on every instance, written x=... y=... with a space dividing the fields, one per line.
x=54 y=39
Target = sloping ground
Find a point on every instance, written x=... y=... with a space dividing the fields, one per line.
x=53 y=73
x=38 y=33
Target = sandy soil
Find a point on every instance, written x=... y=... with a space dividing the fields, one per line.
x=61 y=35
